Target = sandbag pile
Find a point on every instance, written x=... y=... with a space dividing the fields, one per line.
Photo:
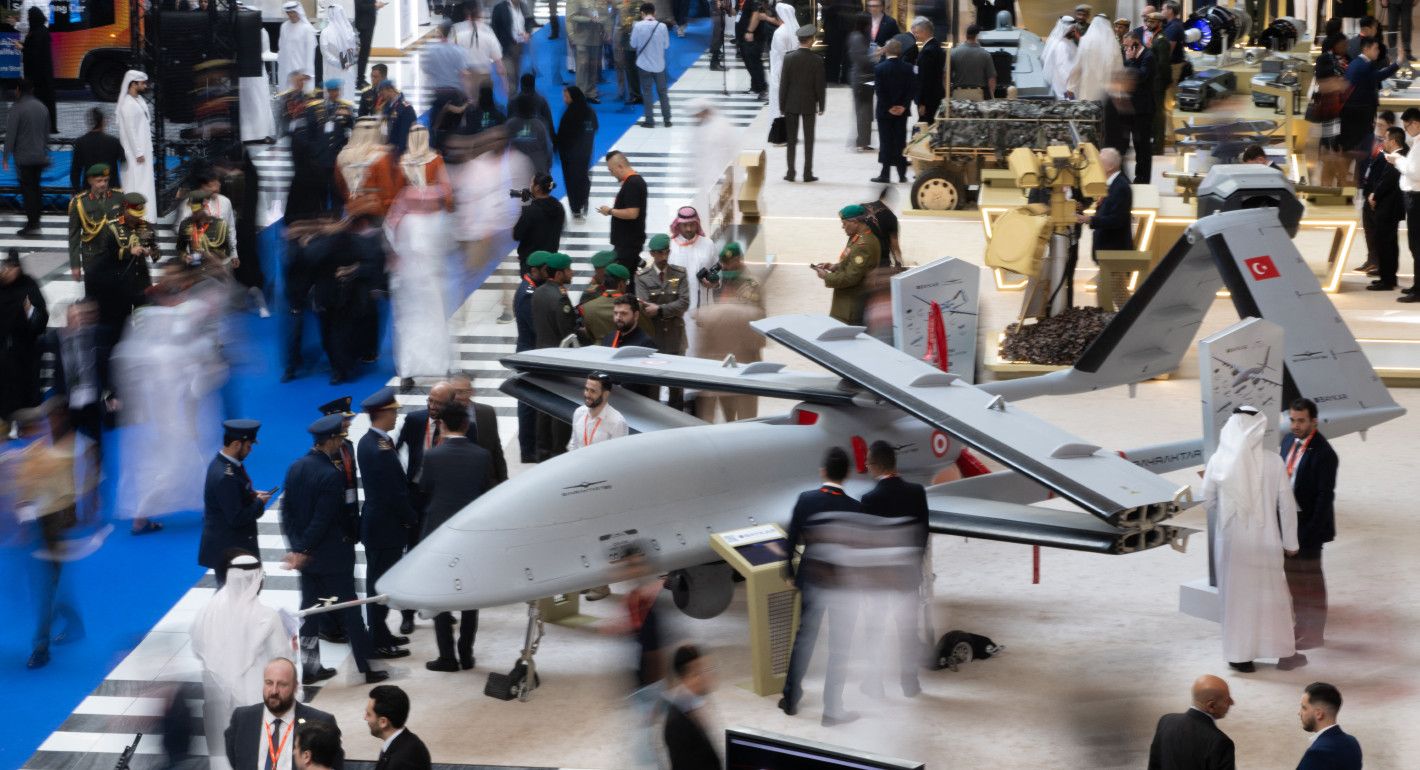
x=1012 y=123
x=1056 y=341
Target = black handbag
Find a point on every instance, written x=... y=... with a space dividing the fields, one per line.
x=777 y=134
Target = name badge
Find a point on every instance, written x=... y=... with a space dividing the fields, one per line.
x=330 y=126
x=349 y=496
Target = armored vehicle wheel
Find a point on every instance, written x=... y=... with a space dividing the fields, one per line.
x=938 y=190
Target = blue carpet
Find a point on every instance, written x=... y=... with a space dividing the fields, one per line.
x=119 y=608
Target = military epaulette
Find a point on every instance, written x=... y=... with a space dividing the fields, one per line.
x=314 y=102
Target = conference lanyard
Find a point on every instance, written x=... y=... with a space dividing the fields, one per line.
x=616 y=341
x=587 y=435
x=275 y=752
x=1295 y=456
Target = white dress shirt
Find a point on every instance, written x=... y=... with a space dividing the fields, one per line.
x=588 y=429
x=1318 y=733
x=283 y=760
x=1409 y=167
x=390 y=740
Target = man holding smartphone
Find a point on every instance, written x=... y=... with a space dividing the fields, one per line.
x=230 y=506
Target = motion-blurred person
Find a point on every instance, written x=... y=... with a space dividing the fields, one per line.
x=1329 y=77
x=665 y=289
x=24 y=316
x=485 y=53
x=37 y=62
x=598 y=313
x=814 y=579
x=627 y=212
x=317 y=137
x=1248 y=495
x=230 y=506
x=386 y=713
x=45 y=493
x=486 y=213
x=340 y=48
x=1384 y=210
x=1131 y=100
x=687 y=735
x=317 y=747
x=1312 y=465
x=510 y=24
x=1192 y=740
x=585 y=35
x=861 y=256
x=553 y=321
x=81 y=366
x=421 y=226
x=528 y=134
x=388 y=515
x=1096 y=63
x=576 y=136
x=483 y=424
x=321 y=550
x=643 y=622
x=482 y=114
x=351 y=268
x=455 y=473
x=26 y=145
x=1331 y=749
x=95 y=146
x=203 y=239
x=799 y=94
x=135 y=132
x=366 y=173
x=715 y=147
x=260 y=735
x=234 y=636
x=366 y=11
x=303 y=252
x=596 y=420
x=522 y=314
x=296 y=45
x=694 y=252
x=895 y=86
x=723 y=328
x=893 y=497
x=860 y=69
x=539 y=225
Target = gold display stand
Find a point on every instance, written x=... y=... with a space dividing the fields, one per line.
x=772 y=601
x=752 y=161
x=1120 y=272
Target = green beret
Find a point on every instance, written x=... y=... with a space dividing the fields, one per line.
x=558 y=261
x=659 y=242
x=134 y=200
x=852 y=212
x=618 y=270
x=537 y=258
x=603 y=258
x=732 y=249
x=98 y=169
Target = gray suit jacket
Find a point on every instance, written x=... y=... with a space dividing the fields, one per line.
x=802 y=83
x=455 y=473
x=244 y=734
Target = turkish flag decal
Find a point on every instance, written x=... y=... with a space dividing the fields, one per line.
x=1262 y=268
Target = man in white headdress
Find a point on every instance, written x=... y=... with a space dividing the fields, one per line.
x=234 y=636
x=1098 y=60
x=693 y=251
x=296 y=49
x=1057 y=56
x=135 y=133
x=784 y=41
x=340 y=47
x=1254 y=518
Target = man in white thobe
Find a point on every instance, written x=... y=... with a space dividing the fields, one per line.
x=1254 y=518
x=297 y=47
x=234 y=636
x=340 y=48
x=692 y=251
x=135 y=133
x=1057 y=56
x=1096 y=63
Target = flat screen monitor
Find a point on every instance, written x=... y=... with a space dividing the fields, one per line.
x=764 y=552
x=747 y=749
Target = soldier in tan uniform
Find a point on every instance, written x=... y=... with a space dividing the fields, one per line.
x=597 y=313
x=847 y=277
x=723 y=329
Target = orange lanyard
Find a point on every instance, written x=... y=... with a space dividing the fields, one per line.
x=275 y=751
x=1295 y=456
x=588 y=434
x=616 y=341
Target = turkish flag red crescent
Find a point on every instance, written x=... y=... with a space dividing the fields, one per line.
x=1262 y=268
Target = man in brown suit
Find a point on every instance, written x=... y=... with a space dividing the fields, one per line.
x=724 y=329
x=801 y=98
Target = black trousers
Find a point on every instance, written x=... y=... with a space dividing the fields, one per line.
x=892 y=139
x=791 y=132
x=1368 y=229
x=29 y=190
x=1399 y=19
x=366 y=35
x=579 y=183
x=444 y=634
x=527 y=432
x=835 y=54
x=628 y=255
x=552 y=436
x=1308 y=587
x=339 y=336
x=753 y=58
x=377 y=562
x=314 y=587
x=1386 y=248
x=1412 y=222
x=1141 y=135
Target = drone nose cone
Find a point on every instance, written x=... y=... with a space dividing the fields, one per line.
x=425 y=579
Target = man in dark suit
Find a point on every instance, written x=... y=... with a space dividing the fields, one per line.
x=1364 y=74
x=1311 y=464
x=896 y=87
x=1384 y=208
x=1113 y=220
x=802 y=84
x=1136 y=107
x=456 y=472
x=881 y=27
x=931 y=70
x=365 y=14
x=688 y=747
x=896 y=498
x=257 y=731
x=1192 y=740
x=385 y=714
x=388 y=515
x=417 y=435
x=1331 y=749
x=95 y=146
x=321 y=550
x=814 y=581
x=230 y=507
x=483 y=426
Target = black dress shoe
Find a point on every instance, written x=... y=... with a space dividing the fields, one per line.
x=880 y=180
x=389 y=653
x=442 y=664
x=467 y=662
x=406 y=626
x=1295 y=660
x=788 y=708
x=789 y=177
x=646 y=124
x=1410 y=290
x=39 y=658
x=70 y=636
x=397 y=641
x=1310 y=644
x=1246 y=668
x=334 y=638
x=668 y=124
x=319 y=675
x=375 y=677
x=810 y=178
x=832 y=720
x=1380 y=286
x=1412 y=297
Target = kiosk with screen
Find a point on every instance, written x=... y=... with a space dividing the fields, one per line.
x=758 y=554
x=747 y=749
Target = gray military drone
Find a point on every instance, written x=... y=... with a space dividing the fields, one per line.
x=561 y=527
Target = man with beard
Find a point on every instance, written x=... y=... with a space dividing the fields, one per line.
x=263 y=730
x=24 y=316
x=626 y=318
x=596 y=420
x=598 y=314
x=90 y=213
x=123 y=278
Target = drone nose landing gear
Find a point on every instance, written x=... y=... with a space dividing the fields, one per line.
x=523 y=679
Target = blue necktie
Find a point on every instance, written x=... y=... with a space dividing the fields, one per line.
x=271 y=756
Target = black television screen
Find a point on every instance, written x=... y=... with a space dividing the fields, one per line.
x=747 y=749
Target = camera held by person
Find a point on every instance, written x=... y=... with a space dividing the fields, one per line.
x=542 y=186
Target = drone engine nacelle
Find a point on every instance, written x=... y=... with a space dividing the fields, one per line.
x=1218 y=27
